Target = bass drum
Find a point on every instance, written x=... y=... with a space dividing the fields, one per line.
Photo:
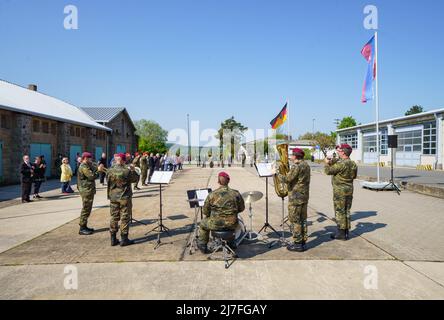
x=240 y=230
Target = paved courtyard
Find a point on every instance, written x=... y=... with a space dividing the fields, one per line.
x=396 y=250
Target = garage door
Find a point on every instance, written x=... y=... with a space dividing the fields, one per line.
x=74 y=151
x=38 y=149
x=1 y=161
x=370 y=157
x=408 y=158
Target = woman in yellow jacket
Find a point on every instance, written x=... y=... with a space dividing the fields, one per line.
x=66 y=176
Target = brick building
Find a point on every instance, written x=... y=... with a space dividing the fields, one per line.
x=123 y=136
x=37 y=124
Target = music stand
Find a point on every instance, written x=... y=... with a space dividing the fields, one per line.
x=196 y=199
x=160 y=178
x=265 y=171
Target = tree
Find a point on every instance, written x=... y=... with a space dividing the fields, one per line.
x=347 y=122
x=323 y=140
x=235 y=131
x=152 y=137
x=414 y=110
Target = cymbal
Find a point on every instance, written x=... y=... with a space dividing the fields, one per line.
x=252 y=196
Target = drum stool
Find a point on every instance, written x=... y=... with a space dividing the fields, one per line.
x=221 y=240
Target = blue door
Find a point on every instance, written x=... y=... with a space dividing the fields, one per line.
x=39 y=149
x=1 y=161
x=120 y=149
x=74 y=150
x=99 y=151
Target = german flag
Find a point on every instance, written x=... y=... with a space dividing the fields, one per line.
x=280 y=119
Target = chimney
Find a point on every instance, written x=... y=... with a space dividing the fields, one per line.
x=32 y=87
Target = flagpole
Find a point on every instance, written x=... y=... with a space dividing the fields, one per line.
x=288 y=120
x=377 y=106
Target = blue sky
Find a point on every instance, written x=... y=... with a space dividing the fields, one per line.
x=214 y=59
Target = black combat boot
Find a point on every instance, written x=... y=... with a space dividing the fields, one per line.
x=90 y=229
x=296 y=247
x=125 y=241
x=340 y=235
x=346 y=234
x=84 y=231
x=114 y=240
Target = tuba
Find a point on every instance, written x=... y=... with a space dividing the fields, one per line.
x=283 y=166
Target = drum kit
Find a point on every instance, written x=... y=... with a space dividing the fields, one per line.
x=241 y=233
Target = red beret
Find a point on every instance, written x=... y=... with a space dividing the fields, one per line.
x=86 y=155
x=120 y=155
x=344 y=146
x=224 y=174
x=297 y=151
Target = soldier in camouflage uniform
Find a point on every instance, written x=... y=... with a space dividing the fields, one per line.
x=298 y=181
x=119 y=179
x=221 y=208
x=343 y=172
x=136 y=163
x=86 y=184
x=144 y=167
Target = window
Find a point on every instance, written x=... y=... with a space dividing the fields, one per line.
x=36 y=126
x=78 y=132
x=45 y=127
x=429 y=138
x=5 y=124
x=369 y=143
x=350 y=139
x=410 y=141
x=71 y=131
x=53 y=129
x=83 y=132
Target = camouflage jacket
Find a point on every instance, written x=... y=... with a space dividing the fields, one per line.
x=119 y=179
x=224 y=203
x=86 y=178
x=136 y=161
x=298 y=181
x=143 y=162
x=343 y=173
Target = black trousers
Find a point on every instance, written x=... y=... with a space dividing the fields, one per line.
x=26 y=190
x=37 y=185
x=102 y=177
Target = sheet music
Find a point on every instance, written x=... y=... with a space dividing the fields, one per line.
x=162 y=177
x=265 y=169
x=202 y=196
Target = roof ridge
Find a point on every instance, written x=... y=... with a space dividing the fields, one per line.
x=39 y=92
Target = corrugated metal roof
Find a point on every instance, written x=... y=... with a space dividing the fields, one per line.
x=19 y=99
x=103 y=114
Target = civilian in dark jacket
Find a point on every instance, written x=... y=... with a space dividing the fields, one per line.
x=27 y=172
x=152 y=165
x=103 y=161
x=39 y=175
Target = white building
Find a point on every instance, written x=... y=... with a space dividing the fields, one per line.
x=420 y=140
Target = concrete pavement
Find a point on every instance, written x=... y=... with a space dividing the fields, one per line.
x=397 y=242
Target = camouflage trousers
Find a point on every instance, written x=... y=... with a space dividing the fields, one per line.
x=297 y=215
x=144 y=175
x=214 y=224
x=342 y=204
x=87 y=204
x=121 y=211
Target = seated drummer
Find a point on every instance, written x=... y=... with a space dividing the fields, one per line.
x=221 y=208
